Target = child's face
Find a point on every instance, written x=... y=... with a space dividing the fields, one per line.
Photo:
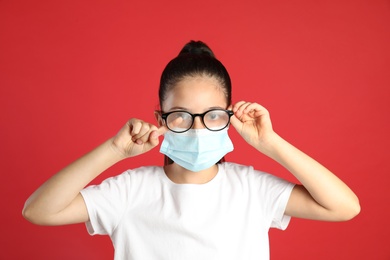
x=195 y=95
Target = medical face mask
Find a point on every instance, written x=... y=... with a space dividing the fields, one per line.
x=196 y=149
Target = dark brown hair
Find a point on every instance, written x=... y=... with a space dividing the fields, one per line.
x=195 y=59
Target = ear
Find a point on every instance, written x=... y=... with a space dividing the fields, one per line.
x=157 y=115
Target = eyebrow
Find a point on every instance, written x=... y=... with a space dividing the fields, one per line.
x=186 y=109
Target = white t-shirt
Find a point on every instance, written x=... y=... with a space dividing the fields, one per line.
x=148 y=216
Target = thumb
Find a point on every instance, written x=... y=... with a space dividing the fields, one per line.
x=235 y=122
x=154 y=135
x=153 y=138
x=161 y=131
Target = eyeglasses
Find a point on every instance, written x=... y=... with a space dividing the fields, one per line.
x=182 y=121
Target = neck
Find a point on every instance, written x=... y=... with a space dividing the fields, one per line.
x=180 y=175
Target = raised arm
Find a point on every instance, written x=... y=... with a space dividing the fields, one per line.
x=58 y=201
x=322 y=196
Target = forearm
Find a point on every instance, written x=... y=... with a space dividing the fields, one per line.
x=61 y=189
x=324 y=187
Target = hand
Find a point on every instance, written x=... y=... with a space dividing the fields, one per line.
x=137 y=137
x=252 y=122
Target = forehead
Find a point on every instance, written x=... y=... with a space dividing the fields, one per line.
x=196 y=94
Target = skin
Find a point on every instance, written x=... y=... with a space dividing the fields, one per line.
x=322 y=196
x=207 y=95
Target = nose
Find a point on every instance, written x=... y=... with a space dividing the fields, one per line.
x=198 y=124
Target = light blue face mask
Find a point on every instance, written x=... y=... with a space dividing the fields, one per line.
x=196 y=149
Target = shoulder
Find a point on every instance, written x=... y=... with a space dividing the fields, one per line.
x=239 y=170
x=145 y=173
x=251 y=175
x=238 y=174
x=133 y=176
x=235 y=167
x=126 y=184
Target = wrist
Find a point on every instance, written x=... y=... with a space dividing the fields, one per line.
x=269 y=144
x=116 y=152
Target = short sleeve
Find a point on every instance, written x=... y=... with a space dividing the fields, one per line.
x=106 y=204
x=274 y=193
x=280 y=220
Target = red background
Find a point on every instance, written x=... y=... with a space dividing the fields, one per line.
x=73 y=72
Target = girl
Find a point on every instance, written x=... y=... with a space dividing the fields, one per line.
x=196 y=206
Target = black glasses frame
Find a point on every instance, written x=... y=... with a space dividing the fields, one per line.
x=164 y=116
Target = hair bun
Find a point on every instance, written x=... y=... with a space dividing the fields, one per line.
x=197 y=48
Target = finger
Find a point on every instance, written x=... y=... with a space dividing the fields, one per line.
x=161 y=130
x=175 y=123
x=251 y=110
x=135 y=126
x=240 y=109
x=143 y=129
x=144 y=134
x=237 y=124
x=254 y=106
x=241 y=105
x=154 y=135
x=237 y=105
x=255 y=110
x=153 y=138
x=247 y=106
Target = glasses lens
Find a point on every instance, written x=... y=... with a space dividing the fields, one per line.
x=216 y=119
x=179 y=121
